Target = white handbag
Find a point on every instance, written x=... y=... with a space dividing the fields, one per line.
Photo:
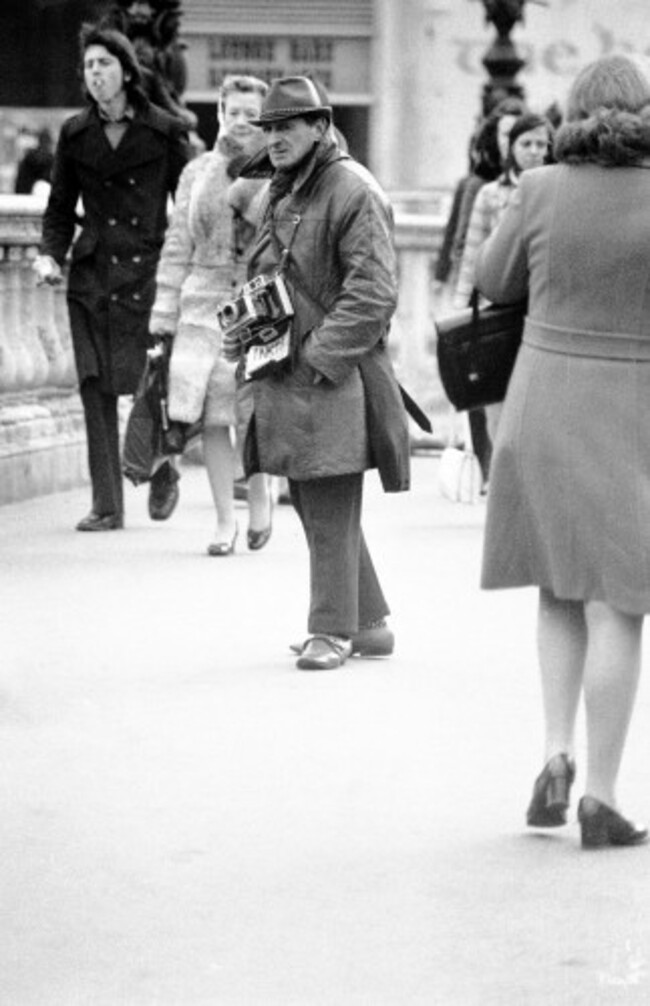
x=460 y=475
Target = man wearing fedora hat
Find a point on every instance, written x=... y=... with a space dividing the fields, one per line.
x=331 y=410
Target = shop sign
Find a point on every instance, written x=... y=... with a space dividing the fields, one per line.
x=341 y=64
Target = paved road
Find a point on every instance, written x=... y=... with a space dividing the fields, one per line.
x=187 y=819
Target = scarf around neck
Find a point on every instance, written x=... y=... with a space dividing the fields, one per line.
x=284 y=180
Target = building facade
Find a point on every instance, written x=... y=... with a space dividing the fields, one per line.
x=405 y=76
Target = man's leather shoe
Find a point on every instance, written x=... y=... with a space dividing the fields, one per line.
x=371 y=641
x=98 y=522
x=163 y=492
x=324 y=653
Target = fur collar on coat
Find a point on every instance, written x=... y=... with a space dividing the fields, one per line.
x=610 y=137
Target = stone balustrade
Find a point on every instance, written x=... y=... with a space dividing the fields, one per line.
x=42 y=437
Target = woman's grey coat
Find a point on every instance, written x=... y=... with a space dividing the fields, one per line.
x=569 y=499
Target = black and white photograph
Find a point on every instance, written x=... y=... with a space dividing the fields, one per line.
x=324 y=502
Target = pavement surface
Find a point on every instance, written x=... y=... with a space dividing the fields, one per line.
x=187 y=819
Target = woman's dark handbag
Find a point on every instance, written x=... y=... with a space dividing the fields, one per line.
x=150 y=434
x=477 y=349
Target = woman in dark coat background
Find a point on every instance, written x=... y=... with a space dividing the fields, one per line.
x=121 y=157
x=569 y=502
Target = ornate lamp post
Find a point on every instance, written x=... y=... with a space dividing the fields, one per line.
x=502 y=60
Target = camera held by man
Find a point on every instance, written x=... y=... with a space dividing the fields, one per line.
x=259 y=319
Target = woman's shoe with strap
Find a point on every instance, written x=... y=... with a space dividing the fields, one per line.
x=223 y=548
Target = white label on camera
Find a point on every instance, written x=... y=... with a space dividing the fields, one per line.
x=259 y=356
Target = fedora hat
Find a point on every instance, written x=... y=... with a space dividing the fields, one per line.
x=291 y=98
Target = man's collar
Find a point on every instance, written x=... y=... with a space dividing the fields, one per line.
x=127 y=116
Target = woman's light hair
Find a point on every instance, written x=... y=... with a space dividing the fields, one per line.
x=612 y=82
x=240 y=84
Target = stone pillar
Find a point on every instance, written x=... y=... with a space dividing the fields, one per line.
x=413 y=334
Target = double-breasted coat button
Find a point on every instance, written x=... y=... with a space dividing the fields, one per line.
x=137 y=259
x=135 y=221
x=113 y=297
x=136 y=296
x=114 y=259
x=112 y=221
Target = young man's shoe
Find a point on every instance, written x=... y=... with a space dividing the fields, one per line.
x=101 y=522
x=163 y=492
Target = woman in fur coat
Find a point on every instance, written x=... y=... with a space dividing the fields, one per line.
x=203 y=264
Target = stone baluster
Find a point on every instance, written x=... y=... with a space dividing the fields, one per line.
x=48 y=332
x=62 y=325
x=23 y=369
x=8 y=362
x=33 y=330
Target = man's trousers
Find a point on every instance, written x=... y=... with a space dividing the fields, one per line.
x=345 y=593
x=102 y=433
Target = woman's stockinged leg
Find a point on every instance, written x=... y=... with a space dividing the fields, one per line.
x=611 y=678
x=219 y=454
x=562 y=648
x=259 y=502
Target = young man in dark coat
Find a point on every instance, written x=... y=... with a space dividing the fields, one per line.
x=121 y=157
x=331 y=225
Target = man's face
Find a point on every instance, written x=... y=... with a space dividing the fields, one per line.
x=140 y=11
x=291 y=140
x=103 y=74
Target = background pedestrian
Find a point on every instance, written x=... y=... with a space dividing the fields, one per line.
x=120 y=160
x=203 y=264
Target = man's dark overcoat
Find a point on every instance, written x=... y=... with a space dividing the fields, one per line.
x=342 y=276
x=121 y=218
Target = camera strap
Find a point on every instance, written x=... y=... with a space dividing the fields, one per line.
x=283 y=251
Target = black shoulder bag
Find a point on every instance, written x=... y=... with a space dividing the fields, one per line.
x=477 y=349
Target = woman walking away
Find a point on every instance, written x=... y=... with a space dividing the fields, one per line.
x=203 y=265
x=569 y=503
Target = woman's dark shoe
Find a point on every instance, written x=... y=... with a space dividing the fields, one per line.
x=551 y=792
x=258 y=539
x=600 y=826
x=98 y=522
x=223 y=548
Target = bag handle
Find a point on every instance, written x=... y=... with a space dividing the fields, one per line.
x=473 y=303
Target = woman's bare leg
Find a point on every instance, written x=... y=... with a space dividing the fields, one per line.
x=219 y=454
